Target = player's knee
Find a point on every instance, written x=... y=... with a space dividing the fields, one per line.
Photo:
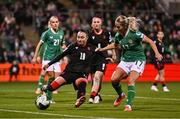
x=131 y=81
x=81 y=80
x=115 y=78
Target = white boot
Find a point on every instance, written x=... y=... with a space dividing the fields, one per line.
x=154 y=88
x=165 y=89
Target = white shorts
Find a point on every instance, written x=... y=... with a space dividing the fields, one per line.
x=54 y=67
x=137 y=66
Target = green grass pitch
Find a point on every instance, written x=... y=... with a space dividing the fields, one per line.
x=17 y=101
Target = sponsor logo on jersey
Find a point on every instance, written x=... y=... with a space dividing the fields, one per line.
x=51 y=37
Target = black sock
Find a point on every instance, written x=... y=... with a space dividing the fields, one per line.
x=163 y=85
x=155 y=84
x=81 y=89
x=117 y=87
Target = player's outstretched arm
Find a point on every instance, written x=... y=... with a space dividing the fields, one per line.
x=153 y=46
x=108 y=47
x=60 y=56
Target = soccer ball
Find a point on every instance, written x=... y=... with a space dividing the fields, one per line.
x=41 y=102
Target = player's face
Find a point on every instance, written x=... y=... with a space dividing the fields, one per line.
x=82 y=38
x=96 y=23
x=160 y=35
x=54 y=23
x=118 y=27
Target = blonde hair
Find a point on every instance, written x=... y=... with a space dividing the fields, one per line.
x=50 y=19
x=128 y=22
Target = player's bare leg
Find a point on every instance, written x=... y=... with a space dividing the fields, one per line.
x=118 y=75
x=162 y=80
x=96 y=85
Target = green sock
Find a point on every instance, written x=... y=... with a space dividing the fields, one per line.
x=49 y=93
x=131 y=95
x=40 y=81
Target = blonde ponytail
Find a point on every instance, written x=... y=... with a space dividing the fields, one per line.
x=133 y=23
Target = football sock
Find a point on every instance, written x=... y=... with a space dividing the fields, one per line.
x=40 y=81
x=155 y=83
x=54 y=85
x=49 y=93
x=163 y=83
x=117 y=87
x=81 y=89
x=93 y=94
x=131 y=95
x=99 y=89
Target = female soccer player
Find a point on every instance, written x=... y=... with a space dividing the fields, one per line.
x=53 y=40
x=77 y=69
x=129 y=38
x=100 y=38
x=159 y=65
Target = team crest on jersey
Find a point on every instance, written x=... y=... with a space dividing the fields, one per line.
x=93 y=37
x=76 y=47
x=130 y=41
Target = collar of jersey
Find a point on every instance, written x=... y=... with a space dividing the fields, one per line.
x=53 y=31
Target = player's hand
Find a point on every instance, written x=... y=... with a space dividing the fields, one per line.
x=38 y=59
x=45 y=67
x=98 y=49
x=159 y=57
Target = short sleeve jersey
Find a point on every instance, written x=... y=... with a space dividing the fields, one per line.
x=52 y=41
x=131 y=45
x=100 y=41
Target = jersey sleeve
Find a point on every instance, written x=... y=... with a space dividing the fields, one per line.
x=139 y=36
x=43 y=37
x=67 y=51
x=63 y=40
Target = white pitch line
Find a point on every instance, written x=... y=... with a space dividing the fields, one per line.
x=52 y=114
x=150 y=98
x=40 y=113
x=167 y=99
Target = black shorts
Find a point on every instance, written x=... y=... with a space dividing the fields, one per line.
x=101 y=66
x=159 y=65
x=71 y=77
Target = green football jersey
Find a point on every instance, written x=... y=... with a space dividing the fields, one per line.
x=131 y=45
x=52 y=43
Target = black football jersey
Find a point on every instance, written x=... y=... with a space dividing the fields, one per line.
x=160 y=47
x=100 y=41
x=79 y=58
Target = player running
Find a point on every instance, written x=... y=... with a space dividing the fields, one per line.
x=77 y=69
x=129 y=38
x=53 y=40
x=159 y=65
x=99 y=38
